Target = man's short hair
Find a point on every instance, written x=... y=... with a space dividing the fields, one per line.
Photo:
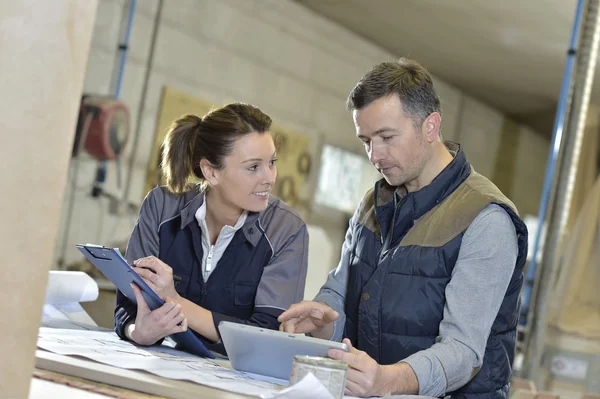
x=406 y=78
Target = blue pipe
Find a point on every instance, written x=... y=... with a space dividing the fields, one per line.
x=123 y=47
x=557 y=136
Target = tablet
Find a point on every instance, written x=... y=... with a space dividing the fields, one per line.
x=112 y=264
x=268 y=352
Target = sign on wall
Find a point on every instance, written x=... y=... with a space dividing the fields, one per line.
x=293 y=159
x=344 y=178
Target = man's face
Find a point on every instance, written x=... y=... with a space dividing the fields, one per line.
x=395 y=147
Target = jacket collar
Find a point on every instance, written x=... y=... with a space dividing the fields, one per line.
x=195 y=198
x=427 y=197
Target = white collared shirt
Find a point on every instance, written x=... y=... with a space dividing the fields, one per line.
x=211 y=254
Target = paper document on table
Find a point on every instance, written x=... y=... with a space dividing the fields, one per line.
x=308 y=387
x=64 y=292
x=65 y=323
x=107 y=348
x=70 y=287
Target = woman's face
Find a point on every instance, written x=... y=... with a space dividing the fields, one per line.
x=249 y=172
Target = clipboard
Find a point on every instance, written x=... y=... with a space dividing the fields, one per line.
x=112 y=264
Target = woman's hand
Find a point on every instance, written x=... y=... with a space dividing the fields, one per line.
x=158 y=275
x=152 y=325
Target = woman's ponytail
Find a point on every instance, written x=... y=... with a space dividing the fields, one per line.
x=178 y=152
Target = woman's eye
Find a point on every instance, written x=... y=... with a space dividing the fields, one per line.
x=272 y=163
x=253 y=168
x=386 y=138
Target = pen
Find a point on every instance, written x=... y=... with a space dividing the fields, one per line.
x=176 y=278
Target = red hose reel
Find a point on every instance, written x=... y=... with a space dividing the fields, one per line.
x=103 y=126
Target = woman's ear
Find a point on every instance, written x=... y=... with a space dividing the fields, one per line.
x=209 y=172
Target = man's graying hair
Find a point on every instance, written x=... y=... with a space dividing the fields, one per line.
x=406 y=78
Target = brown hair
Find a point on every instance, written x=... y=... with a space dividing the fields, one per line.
x=191 y=139
x=406 y=78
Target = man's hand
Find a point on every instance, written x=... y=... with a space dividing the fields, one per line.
x=152 y=325
x=158 y=275
x=367 y=378
x=307 y=317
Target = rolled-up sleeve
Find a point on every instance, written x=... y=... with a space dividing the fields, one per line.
x=480 y=278
x=282 y=282
x=142 y=242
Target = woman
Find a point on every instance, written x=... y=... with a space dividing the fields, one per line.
x=223 y=250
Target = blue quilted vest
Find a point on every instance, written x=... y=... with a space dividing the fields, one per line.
x=398 y=274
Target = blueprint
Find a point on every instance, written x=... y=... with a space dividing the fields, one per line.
x=106 y=347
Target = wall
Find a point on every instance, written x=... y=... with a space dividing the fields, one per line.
x=296 y=65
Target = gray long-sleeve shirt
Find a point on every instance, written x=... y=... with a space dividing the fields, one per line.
x=483 y=270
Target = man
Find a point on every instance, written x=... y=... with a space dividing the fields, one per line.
x=426 y=293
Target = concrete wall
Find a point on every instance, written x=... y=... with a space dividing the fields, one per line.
x=298 y=67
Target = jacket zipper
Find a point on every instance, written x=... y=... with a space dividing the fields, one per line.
x=385 y=248
x=208 y=267
x=207 y=270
